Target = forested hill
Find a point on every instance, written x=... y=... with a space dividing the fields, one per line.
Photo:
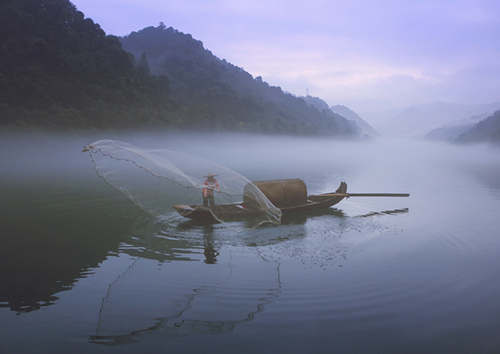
x=365 y=129
x=59 y=69
x=216 y=93
x=487 y=130
x=351 y=115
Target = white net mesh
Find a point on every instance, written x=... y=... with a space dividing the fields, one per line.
x=159 y=179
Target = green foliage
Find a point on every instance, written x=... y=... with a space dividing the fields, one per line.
x=215 y=93
x=60 y=69
x=143 y=65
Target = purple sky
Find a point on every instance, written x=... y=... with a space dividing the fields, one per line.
x=373 y=56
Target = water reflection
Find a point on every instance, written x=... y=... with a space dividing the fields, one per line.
x=207 y=232
x=385 y=212
x=209 y=247
x=180 y=324
x=58 y=246
x=157 y=293
x=179 y=304
x=301 y=217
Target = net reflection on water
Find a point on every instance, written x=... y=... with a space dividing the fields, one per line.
x=179 y=304
x=168 y=289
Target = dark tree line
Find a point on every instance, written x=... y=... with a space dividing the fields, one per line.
x=58 y=68
x=215 y=92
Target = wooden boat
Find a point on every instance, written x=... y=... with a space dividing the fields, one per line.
x=290 y=198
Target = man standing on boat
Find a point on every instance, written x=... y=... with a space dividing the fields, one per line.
x=210 y=185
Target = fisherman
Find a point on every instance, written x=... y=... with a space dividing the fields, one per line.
x=210 y=185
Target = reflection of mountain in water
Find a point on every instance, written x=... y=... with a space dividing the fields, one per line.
x=67 y=235
x=73 y=228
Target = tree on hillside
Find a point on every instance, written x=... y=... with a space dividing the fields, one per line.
x=60 y=67
x=143 y=65
x=199 y=79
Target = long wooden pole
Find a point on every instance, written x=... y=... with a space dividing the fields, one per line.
x=347 y=195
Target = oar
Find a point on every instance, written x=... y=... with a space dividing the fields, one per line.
x=348 y=195
x=369 y=194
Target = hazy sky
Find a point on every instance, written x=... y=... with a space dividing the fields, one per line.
x=370 y=55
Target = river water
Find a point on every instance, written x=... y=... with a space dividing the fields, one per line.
x=83 y=270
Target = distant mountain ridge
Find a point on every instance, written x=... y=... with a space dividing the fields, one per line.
x=448 y=133
x=220 y=92
x=419 y=120
x=61 y=70
x=347 y=113
x=452 y=131
x=487 y=130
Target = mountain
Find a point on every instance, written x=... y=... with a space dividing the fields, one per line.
x=343 y=111
x=487 y=130
x=348 y=113
x=419 y=120
x=448 y=133
x=217 y=94
x=317 y=102
x=451 y=132
x=60 y=69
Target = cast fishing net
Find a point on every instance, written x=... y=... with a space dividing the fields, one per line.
x=158 y=179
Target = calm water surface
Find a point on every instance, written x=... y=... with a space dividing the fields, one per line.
x=83 y=270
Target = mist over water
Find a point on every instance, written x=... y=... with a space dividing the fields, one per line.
x=81 y=266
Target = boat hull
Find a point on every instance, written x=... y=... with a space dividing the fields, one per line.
x=237 y=212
